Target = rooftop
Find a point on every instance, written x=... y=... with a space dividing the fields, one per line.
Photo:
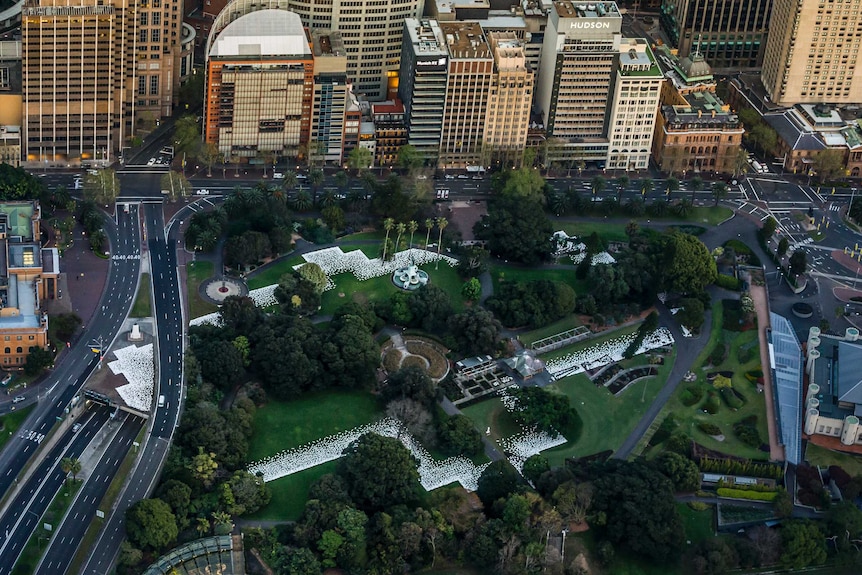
x=327 y=43
x=262 y=33
x=794 y=130
x=703 y=108
x=785 y=355
x=18 y=218
x=465 y=40
x=567 y=9
x=426 y=36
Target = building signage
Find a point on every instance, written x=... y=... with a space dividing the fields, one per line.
x=440 y=62
x=587 y=24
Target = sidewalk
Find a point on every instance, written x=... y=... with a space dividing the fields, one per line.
x=758 y=294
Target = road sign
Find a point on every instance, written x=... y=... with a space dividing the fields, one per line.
x=48 y=526
x=100 y=514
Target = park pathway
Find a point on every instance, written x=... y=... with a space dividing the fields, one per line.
x=761 y=305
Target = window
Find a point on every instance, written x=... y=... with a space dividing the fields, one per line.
x=142 y=85
x=143 y=20
x=156 y=35
x=142 y=36
x=157 y=18
x=154 y=85
x=8 y=350
x=4 y=78
x=19 y=349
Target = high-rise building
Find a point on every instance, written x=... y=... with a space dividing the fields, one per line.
x=812 y=53
x=635 y=101
x=731 y=34
x=94 y=71
x=370 y=29
x=422 y=85
x=468 y=83
x=509 y=100
x=260 y=86
x=331 y=89
x=579 y=59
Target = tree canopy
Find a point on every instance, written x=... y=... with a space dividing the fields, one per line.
x=516 y=229
x=379 y=471
x=687 y=265
x=150 y=524
x=547 y=411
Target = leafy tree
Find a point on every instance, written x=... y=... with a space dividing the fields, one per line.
x=430 y=307
x=65 y=324
x=18 y=184
x=769 y=227
x=409 y=382
x=250 y=492
x=414 y=416
x=379 y=471
x=329 y=545
x=798 y=262
x=516 y=229
x=348 y=353
x=844 y=518
x=38 y=359
x=476 y=330
x=719 y=191
x=547 y=411
x=804 y=544
x=103 y=187
x=682 y=471
x=314 y=274
x=129 y=555
x=409 y=158
x=783 y=246
x=692 y=313
x=298 y=561
x=150 y=524
x=573 y=499
x=203 y=466
x=687 y=265
x=298 y=294
x=535 y=466
x=246 y=249
x=498 y=481
x=472 y=289
x=829 y=165
x=178 y=496
x=523 y=184
x=458 y=436
x=635 y=508
x=187 y=136
x=209 y=155
x=221 y=363
x=240 y=315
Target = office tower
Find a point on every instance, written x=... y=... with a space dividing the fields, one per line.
x=331 y=89
x=10 y=102
x=370 y=29
x=812 y=53
x=730 y=34
x=468 y=82
x=579 y=58
x=260 y=83
x=635 y=100
x=422 y=85
x=509 y=101
x=94 y=72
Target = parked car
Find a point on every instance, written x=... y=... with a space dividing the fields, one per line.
x=18 y=399
x=151 y=162
x=277 y=176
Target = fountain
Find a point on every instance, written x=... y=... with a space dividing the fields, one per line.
x=410 y=277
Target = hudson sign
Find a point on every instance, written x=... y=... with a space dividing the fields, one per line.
x=588 y=24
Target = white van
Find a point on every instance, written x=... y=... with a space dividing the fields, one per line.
x=161 y=401
x=757 y=166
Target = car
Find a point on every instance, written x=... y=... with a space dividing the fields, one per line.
x=18 y=399
x=78 y=184
x=203 y=192
x=277 y=176
x=449 y=177
x=421 y=177
x=151 y=162
x=93 y=172
x=76 y=428
x=301 y=177
x=463 y=177
x=6 y=380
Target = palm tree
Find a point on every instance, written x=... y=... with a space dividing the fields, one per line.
x=75 y=468
x=429 y=223
x=598 y=184
x=328 y=199
x=341 y=179
x=441 y=225
x=622 y=184
x=719 y=190
x=315 y=177
x=412 y=226
x=66 y=466
x=388 y=224
x=202 y=526
x=696 y=185
x=671 y=185
x=289 y=180
x=400 y=228
x=646 y=186
x=302 y=202
x=682 y=208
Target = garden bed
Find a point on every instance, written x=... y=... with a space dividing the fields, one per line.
x=626 y=378
x=438 y=365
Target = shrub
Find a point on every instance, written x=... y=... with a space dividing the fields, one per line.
x=713 y=403
x=745 y=354
x=698 y=505
x=753 y=375
x=719 y=354
x=731 y=398
x=665 y=429
x=691 y=395
x=392 y=360
x=747 y=434
x=744 y=494
x=709 y=428
x=728 y=282
x=721 y=382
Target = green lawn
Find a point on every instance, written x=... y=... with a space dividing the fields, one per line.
x=380 y=288
x=273 y=272
x=689 y=417
x=816 y=455
x=511 y=273
x=374 y=235
x=142 y=306
x=699 y=525
x=609 y=232
x=11 y=422
x=196 y=273
x=607 y=420
x=709 y=215
x=284 y=425
x=558 y=326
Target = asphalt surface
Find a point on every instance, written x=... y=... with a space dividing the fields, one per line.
x=169 y=318
x=66 y=539
x=25 y=512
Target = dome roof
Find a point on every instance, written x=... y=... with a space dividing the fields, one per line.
x=262 y=33
x=695 y=66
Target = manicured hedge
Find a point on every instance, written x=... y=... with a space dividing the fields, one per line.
x=728 y=282
x=743 y=494
x=691 y=395
x=713 y=403
x=709 y=428
x=731 y=398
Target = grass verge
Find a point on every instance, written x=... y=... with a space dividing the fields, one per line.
x=698 y=525
x=32 y=551
x=816 y=455
x=107 y=503
x=510 y=273
x=142 y=306
x=196 y=273
x=12 y=422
